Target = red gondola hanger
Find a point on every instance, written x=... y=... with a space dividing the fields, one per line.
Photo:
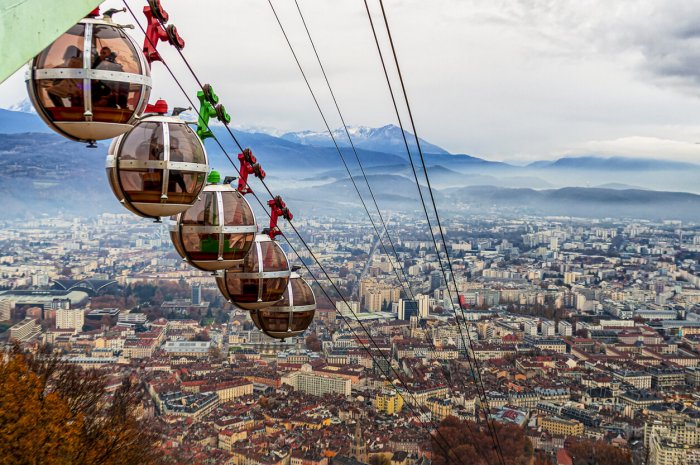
x=156 y=16
x=277 y=209
x=248 y=165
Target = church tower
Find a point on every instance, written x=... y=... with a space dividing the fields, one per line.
x=359 y=447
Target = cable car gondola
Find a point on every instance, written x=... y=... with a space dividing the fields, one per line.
x=159 y=167
x=260 y=280
x=291 y=316
x=218 y=231
x=91 y=83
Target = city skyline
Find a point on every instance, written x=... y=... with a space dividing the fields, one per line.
x=569 y=298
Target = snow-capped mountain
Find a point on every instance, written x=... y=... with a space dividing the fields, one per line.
x=25 y=106
x=384 y=139
x=270 y=131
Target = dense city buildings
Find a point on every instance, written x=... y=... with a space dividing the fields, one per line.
x=576 y=329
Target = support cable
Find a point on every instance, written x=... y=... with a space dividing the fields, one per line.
x=475 y=372
x=366 y=348
x=337 y=147
x=337 y=106
x=444 y=243
x=352 y=145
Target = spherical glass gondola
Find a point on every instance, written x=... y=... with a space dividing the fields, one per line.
x=217 y=232
x=158 y=168
x=91 y=83
x=260 y=280
x=291 y=316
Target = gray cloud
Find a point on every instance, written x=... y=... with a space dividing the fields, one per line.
x=502 y=79
x=665 y=36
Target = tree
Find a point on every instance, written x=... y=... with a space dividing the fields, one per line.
x=142 y=291
x=472 y=443
x=541 y=458
x=313 y=343
x=379 y=460
x=586 y=452
x=34 y=427
x=55 y=413
x=215 y=354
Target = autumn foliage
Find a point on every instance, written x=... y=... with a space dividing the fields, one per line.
x=313 y=343
x=469 y=442
x=586 y=452
x=55 y=413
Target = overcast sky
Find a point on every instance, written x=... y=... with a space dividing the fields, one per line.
x=505 y=80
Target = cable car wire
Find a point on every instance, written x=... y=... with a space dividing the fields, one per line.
x=476 y=373
x=352 y=145
x=471 y=346
x=199 y=82
x=340 y=153
x=367 y=349
x=420 y=192
x=437 y=216
x=337 y=106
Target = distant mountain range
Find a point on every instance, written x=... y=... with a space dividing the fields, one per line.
x=42 y=172
x=583 y=202
x=24 y=106
x=397 y=192
x=612 y=163
x=13 y=122
x=45 y=173
x=386 y=139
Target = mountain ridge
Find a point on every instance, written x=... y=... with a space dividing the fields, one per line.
x=304 y=169
x=386 y=138
x=375 y=150
x=618 y=162
x=44 y=173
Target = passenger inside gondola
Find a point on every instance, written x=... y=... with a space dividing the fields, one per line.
x=109 y=93
x=176 y=179
x=67 y=92
x=152 y=177
x=98 y=58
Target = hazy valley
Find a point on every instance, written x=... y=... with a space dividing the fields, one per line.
x=40 y=172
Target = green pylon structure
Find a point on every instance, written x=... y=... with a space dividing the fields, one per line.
x=209 y=106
